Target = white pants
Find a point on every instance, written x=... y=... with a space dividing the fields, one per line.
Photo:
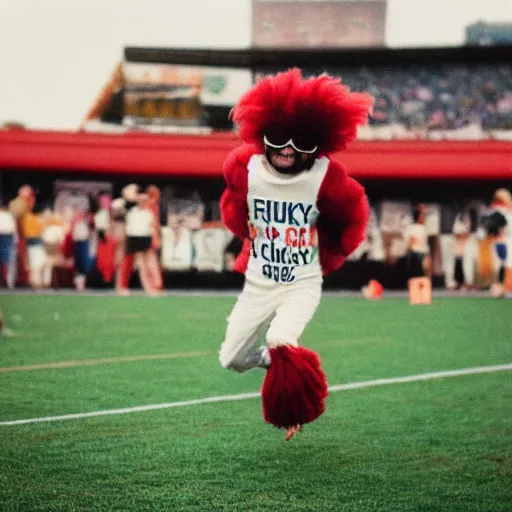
x=284 y=311
x=40 y=274
x=470 y=260
x=447 y=245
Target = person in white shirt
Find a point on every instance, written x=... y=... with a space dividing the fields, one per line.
x=417 y=243
x=80 y=232
x=139 y=227
x=7 y=235
x=53 y=237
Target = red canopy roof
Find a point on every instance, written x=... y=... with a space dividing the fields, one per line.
x=203 y=155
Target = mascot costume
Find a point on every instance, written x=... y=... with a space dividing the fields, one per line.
x=300 y=215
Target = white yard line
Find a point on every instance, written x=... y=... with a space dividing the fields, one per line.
x=104 y=360
x=246 y=396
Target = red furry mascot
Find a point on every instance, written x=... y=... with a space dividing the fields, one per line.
x=300 y=215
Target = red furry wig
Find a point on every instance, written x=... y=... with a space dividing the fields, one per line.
x=319 y=111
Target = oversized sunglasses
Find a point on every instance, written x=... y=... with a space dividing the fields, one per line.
x=288 y=143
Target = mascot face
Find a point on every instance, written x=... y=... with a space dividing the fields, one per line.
x=289 y=153
x=287 y=160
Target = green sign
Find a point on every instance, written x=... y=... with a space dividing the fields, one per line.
x=215 y=84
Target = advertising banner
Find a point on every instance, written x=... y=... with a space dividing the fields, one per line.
x=165 y=94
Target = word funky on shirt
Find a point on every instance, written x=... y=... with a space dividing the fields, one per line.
x=283 y=237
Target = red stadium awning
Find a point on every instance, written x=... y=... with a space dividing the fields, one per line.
x=203 y=155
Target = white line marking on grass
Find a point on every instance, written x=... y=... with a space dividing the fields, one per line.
x=422 y=376
x=104 y=360
x=246 y=396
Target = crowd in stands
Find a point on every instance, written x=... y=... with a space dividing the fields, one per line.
x=445 y=102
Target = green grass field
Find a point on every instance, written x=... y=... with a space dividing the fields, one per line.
x=434 y=445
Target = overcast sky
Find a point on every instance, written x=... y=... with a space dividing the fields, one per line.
x=56 y=54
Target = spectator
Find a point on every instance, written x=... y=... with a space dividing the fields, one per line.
x=7 y=244
x=80 y=233
x=151 y=265
x=417 y=244
x=498 y=222
x=140 y=224
x=105 y=260
x=32 y=230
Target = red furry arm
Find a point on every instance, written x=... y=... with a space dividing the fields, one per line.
x=233 y=203
x=344 y=214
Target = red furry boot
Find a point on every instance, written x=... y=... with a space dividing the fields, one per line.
x=294 y=388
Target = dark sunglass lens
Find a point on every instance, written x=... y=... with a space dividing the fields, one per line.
x=304 y=143
x=277 y=136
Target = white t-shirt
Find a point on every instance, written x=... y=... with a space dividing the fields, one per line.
x=282 y=218
x=53 y=235
x=462 y=224
x=177 y=250
x=7 y=223
x=139 y=222
x=209 y=246
x=419 y=233
x=102 y=219
x=80 y=231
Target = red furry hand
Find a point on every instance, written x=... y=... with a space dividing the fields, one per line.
x=294 y=388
